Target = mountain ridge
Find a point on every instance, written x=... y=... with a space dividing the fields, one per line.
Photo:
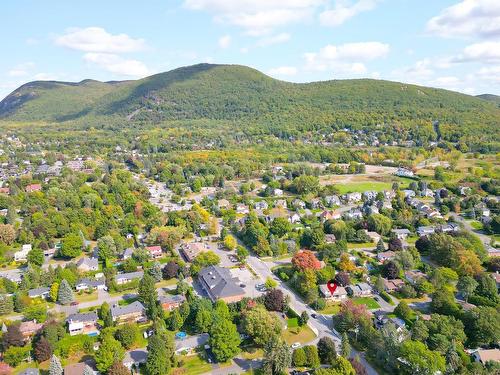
x=235 y=93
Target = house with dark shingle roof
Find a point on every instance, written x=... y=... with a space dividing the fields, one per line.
x=43 y=292
x=83 y=323
x=169 y=302
x=87 y=264
x=123 y=278
x=220 y=284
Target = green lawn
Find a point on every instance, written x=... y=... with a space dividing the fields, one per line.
x=363 y=186
x=252 y=353
x=195 y=365
x=476 y=225
x=84 y=297
x=303 y=335
x=361 y=245
x=370 y=303
x=165 y=283
x=331 y=308
x=292 y=323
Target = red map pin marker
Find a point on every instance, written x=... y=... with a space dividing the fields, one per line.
x=332 y=286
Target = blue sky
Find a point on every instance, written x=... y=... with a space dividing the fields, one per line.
x=450 y=44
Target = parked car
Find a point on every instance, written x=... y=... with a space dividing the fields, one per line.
x=296 y=345
x=74 y=303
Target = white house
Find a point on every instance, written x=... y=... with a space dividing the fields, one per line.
x=22 y=255
x=404 y=172
x=339 y=294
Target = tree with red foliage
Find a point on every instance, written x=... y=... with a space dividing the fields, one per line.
x=5 y=369
x=274 y=300
x=351 y=315
x=43 y=350
x=395 y=244
x=13 y=336
x=118 y=368
x=305 y=260
x=358 y=366
x=342 y=278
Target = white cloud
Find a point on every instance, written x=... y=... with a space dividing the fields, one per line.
x=469 y=18
x=344 y=10
x=225 y=41
x=484 y=52
x=273 y=39
x=117 y=64
x=97 y=39
x=283 y=71
x=21 y=70
x=257 y=17
x=345 y=58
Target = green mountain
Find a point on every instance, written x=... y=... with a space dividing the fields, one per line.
x=490 y=98
x=238 y=93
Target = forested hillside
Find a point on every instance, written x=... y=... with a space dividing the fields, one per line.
x=228 y=94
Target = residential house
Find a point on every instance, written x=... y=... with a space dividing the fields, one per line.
x=83 y=324
x=352 y=197
x=374 y=236
x=294 y=218
x=124 y=278
x=86 y=264
x=298 y=204
x=389 y=194
x=127 y=253
x=354 y=214
x=242 y=209
x=191 y=250
x=487 y=355
x=385 y=255
x=496 y=277
x=329 y=215
x=190 y=343
x=278 y=192
x=409 y=193
x=404 y=172
x=39 y=292
x=332 y=200
x=219 y=283
x=464 y=190
x=370 y=209
x=482 y=210
x=393 y=285
x=340 y=294
x=223 y=204
x=370 y=195
x=29 y=328
x=135 y=358
x=381 y=319
x=425 y=231
x=448 y=228
x=402 y=234
x=169 y=302
x=22 y=255
x=89 y=284
x=414 y=275
x=75 y=369
x=280 y=203
x=315 y=203
x=33 y=187
x=154 y=251
x=135 y=312
x=261 y=205
x=360 y=290
x=427 y=193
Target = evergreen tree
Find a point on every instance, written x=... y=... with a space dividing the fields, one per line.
x=6 y=304
x=175 y=320
x=149 y=296
x=380 y=246
x=13 y=337
x=345 y=348
x=54 y=291
x=160 y=352
x=156 y=272
x=277 y=356
x=105 y=315
x=55 y=367
x=65 y=294
x=299 y=358
x=109 y=352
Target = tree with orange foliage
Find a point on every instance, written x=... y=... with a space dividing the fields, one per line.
x=306 y=260
x=345 y=264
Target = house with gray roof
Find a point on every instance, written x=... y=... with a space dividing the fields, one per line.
x=220 y=284
x=39 y=292
x=124 y=278
x=134 y=312
x=83 y=324
x=87 y=264
x=90 y=284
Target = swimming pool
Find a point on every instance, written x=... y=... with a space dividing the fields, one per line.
x=180 y=335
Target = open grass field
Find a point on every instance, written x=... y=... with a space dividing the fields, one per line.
x=252 y=353
x=303 y=335
x=370 y=303
x=363 y=186
x=84 y=297
x=361 y=245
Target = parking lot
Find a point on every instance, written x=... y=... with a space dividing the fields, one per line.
x=249 y=280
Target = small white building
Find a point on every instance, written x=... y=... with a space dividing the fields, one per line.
x=22 y=255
